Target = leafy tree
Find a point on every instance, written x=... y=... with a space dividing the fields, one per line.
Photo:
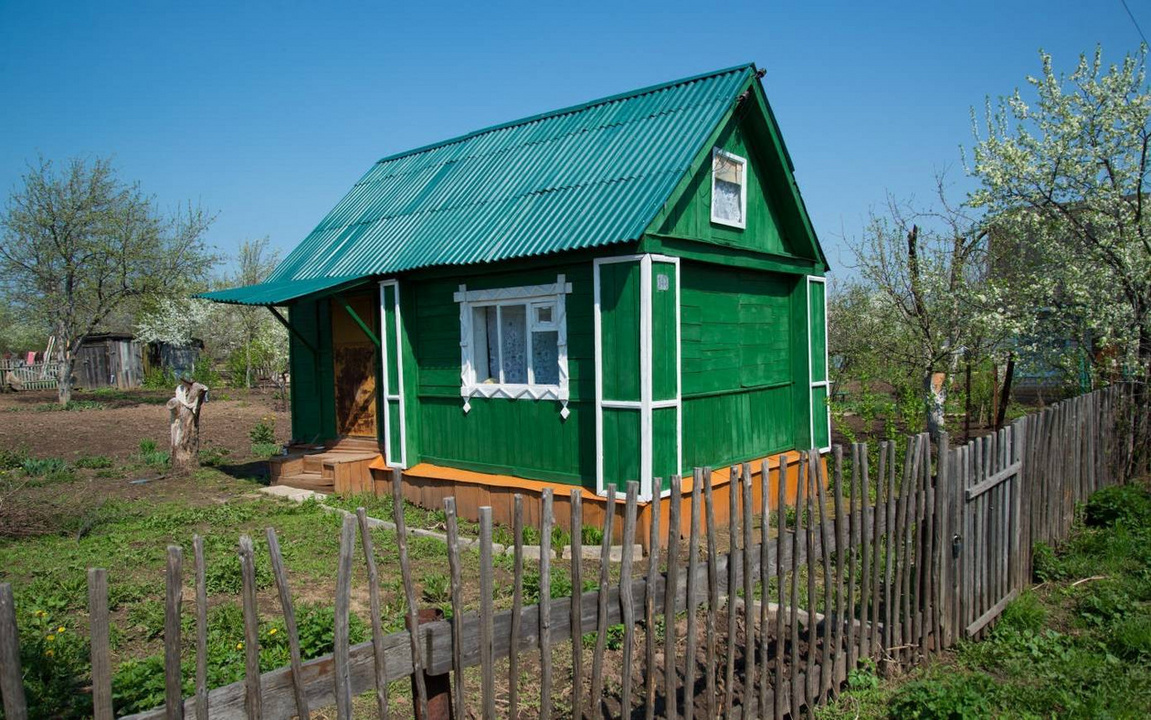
x=78 y=243
x=922 y=289
x=261 y=332
x=1063 y=171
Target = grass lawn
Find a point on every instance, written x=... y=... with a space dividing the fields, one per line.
x=87 y=507
x=1078 y=644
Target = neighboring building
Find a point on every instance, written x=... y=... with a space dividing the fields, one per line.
x=109 y=360
x=623 y=289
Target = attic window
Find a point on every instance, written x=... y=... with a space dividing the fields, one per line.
x=513 y=343
x=728 y=189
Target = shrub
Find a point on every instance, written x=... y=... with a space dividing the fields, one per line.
x=55 y=664
x=1119 y=504
x=436 y=588
x=150 y=456
x=265 y=450
x=1044 y=563
x=159 y=379
x=1131 y=638
x=1024 y=614
x=93 y=462
x=954 y=697
x=591 y=535
x=263 y=432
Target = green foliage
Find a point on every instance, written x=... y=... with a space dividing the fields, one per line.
x=435 y=588
x=39 y=467
x=159 y=378
x=223 y=575
x=265 y=450
x=591 y=535
x=70 y=406
x=54 y=658
x=138 y=684
x=212 y=456
x=263 y=432
x=151 y=456
x=1025 y=614
x=1129 y=504
x=952 y=697
x=1044 y=564
x=93 y=462
x=561 y=584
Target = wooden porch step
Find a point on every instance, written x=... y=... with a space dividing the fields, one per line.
x=306 y=481
x=325 y=461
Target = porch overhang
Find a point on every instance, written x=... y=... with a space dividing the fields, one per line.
x=282 y=292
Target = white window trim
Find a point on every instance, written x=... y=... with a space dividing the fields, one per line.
x=742 y=224
x=826 y=382
x=527 y=295
x=646 y=404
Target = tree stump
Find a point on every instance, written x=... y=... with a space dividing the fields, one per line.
x=184 y=422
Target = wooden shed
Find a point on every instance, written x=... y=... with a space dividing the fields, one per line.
x=619 y=290
x=109 y=360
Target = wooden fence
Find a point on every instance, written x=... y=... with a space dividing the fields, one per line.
x=37 y=376
x=889 y=554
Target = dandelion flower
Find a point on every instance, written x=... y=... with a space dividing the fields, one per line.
x=239 y=646
x=49 y=653
x=50 y=638
x=272 y=631
x=60 y=629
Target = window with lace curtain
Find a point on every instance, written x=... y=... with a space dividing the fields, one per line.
x=728 y=189
x=513 y=342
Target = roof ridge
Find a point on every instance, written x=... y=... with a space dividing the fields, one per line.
x=567 y=110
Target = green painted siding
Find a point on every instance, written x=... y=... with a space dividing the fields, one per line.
x=663 y=318
x=521 y=437
x=689 y=215
x=738 y=373
x=313 y=380
x=619 y=327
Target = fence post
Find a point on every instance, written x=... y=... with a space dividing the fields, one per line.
x=11 y=677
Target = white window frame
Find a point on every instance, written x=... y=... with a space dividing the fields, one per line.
x=530 y=296
x=826 y=381
x=742 y=224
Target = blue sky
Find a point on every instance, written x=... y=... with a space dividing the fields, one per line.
x=268 y=113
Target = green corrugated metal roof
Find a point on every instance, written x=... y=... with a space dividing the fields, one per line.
x=580 y=177
x=277 y=292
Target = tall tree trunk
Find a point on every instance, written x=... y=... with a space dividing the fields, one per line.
x=1005 y=392
x=64 y=379
x=935 y=387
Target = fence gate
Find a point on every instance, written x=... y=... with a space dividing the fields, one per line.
x=989 y=565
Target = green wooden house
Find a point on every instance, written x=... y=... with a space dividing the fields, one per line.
x=614 y=291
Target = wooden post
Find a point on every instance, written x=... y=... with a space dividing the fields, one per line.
x=517 y=603
x=202 y=631
x=413 y=621
x=546 y=521
x=294 y=656
x=649 y=603
x=173 y=693
x=627 y=611
x=457 y=604
x=98 y=639
x=576 y=609
x=341 y=641
x=377 y=624
x=692 y=566
x=439 y=687
x=11 y=676
x=601 y=605
x=672 y=582
x=487 y=631
x=712 y=591
x=253 y=701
